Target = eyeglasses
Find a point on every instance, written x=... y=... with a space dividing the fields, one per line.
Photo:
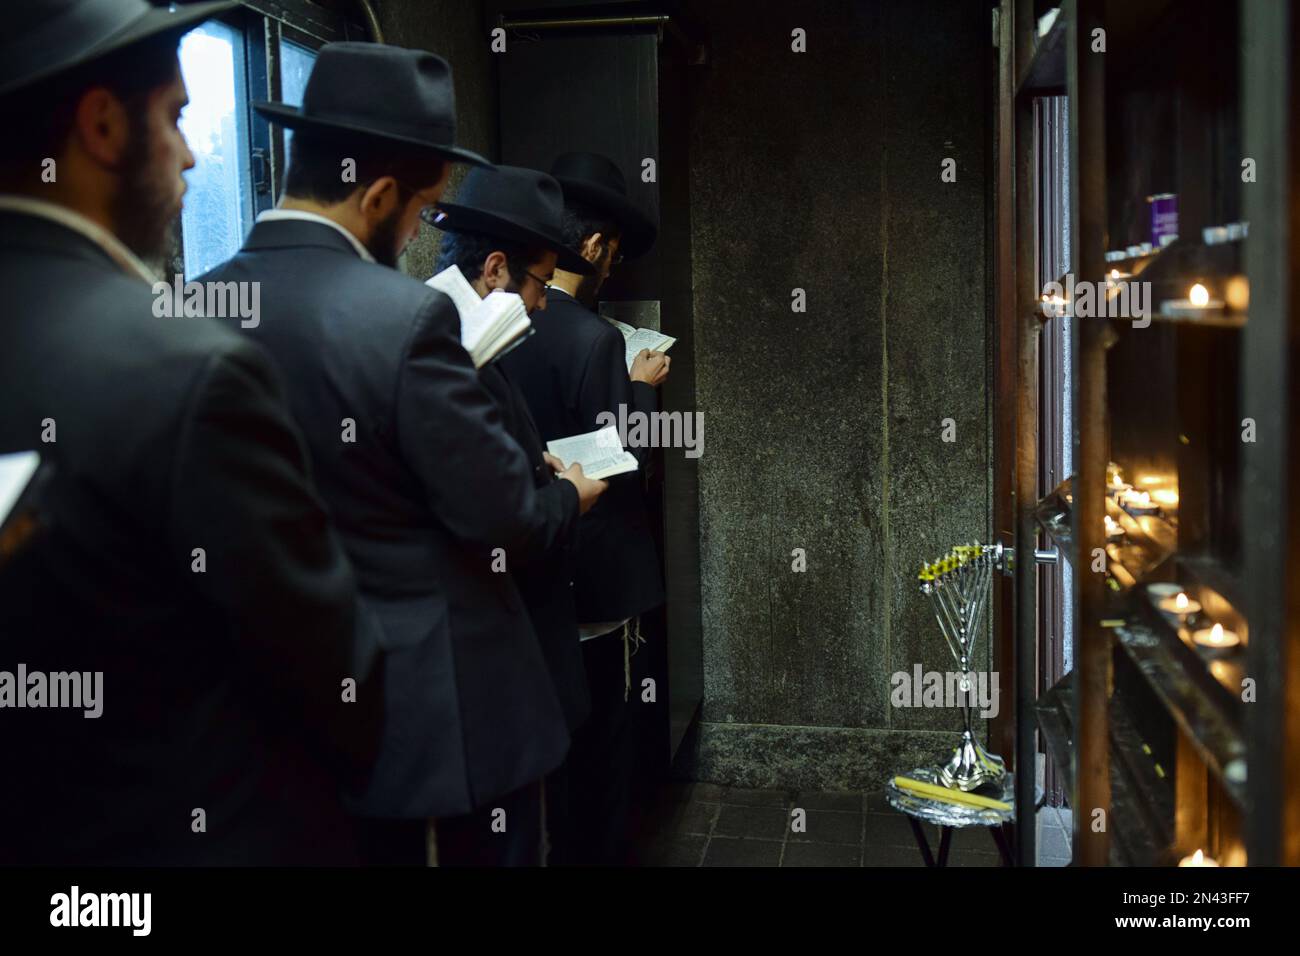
x=544 y=283
x=429 y=211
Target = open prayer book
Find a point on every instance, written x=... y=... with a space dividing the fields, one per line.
x=600 y=453
x=637 y=339
x=489 y=327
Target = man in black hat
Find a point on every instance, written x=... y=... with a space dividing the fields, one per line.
x=179 y=676
x=572 y=372
x=429 y=490
x=505 y=231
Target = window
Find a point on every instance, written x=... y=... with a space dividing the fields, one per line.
x=295 y=66
x=218 y=209
x=228 y=65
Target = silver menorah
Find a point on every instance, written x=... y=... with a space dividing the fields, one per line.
x=958 y=586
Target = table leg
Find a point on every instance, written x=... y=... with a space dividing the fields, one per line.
x=1002 y=837
x=921 y=841
x=945 y=841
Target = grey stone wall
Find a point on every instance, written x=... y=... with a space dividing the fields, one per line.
x=821 y=171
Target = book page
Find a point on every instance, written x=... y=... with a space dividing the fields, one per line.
x=600 y=453
x=634 y=340
x=454 y=285
x=497 y=321
x=487 y=325
x=645 y=339
x=16 y=471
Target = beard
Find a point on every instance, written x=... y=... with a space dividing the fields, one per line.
x=146 y=209
x=383 y=244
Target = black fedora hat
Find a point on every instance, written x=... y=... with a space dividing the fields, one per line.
x=596 y=181
x=509 y=202
x=381 y=92
x=43 y=38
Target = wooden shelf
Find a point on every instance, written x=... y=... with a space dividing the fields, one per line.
x=1195 y=701
x=1140 y=798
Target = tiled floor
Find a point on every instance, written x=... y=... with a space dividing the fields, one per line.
x=704 y=824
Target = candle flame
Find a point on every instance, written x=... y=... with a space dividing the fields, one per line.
x=1216 y=634
x=1180 y=602
x=1199 y=295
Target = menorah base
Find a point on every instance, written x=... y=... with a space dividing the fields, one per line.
x=971 y=766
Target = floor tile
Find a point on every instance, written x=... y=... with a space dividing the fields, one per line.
x=891 y=856
x=821 y=854
x=894 y=830
x=876 y=803
x=767 y=823
x=694 y=817
x=757 y=798
x=728 y=851
x=679 y=851
x=827 y=826
x=850 y=802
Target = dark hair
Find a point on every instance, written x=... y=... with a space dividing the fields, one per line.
x=316 y=165
x=469 y=250
x=41 y=116
x=582 y=221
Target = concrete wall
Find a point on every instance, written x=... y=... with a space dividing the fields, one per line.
x=821 y=171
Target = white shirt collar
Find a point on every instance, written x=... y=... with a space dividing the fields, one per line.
x=279 y=215
x=112 y=246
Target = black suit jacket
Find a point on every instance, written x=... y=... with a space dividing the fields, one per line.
x=570 y=370
x=426 y=490
x=222 y=689
x=545 y=574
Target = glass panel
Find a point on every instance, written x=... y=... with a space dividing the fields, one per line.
x=219 y=203
x=295 y=66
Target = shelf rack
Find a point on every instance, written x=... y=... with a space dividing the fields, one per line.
x=1142 y=728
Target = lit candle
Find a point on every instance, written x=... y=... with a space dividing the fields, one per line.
x=1198 y=304
x=1198 y=859
x=1113 y=529
x=1138 y=503
x=1216 y=638
x=1167 y=497
x=1053 y=305
x=1180 y=604
x=1117 y=485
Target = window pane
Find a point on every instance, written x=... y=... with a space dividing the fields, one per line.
x=295 y=66
x=219 y=203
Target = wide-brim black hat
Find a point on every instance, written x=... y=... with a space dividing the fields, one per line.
x=509 y=202
x=43 y=38
x=381 y=92
x=596 y=181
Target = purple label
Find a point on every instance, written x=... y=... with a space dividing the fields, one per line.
x=1164 y=217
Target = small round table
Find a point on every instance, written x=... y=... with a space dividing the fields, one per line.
x=952 y=816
